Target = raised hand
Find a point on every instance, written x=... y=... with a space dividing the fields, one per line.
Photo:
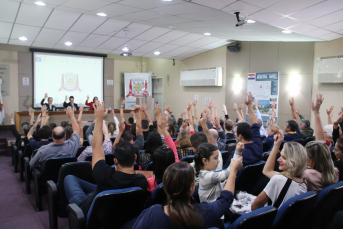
x=162 y=122
x=204 y=118
x=189 y=107
x=66 y=98
x=240 y=147
x=329 y=112
x=184 y=112
x=278 y=138
x=81 y=108
x=273 y=104
x=112 y=113
x=157 y=111
x=46 y=95
x=137 y=109
x=291 y=102
x=121 y=127
x=236 y=164
x=122 y=103
x=241 y=106
x=211 y=104
x=224 y=109
x=99 y=111
x=32 y=112
x=144 y=107
x=297 y=110
x=185 y=124
x=11 y=116
x=217 y=123
x=44 y=110
x=235 y=106
x=69 y=112
x=256 y=102
x=87 y=97
x=38 y=119
x=248 y=99
x=132 y=113
x=317 y=103
x=167 y=108
x=195 y=102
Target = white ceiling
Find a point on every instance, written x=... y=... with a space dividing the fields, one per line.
x=174 y=28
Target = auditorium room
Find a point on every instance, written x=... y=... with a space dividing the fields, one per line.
x=173 y=114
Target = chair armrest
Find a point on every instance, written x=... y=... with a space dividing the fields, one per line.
x=52 y=204
x=38 y=192
x=76 y=217
x=27 y=175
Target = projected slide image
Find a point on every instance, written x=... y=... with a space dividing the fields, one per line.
x=62 y=75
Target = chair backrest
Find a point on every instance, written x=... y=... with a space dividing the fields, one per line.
x=188 y=158
x=232 y=140
x=265 y=147
x=85 y=143
x=301 y=141
x=248 y=176
x=327 y=201
x=158 y=196
x=114 y=208
x=259 y=219
x=230 y=148
x=82 y=170
x=149 y=166
x=309 y=139
x=225 y=156
x=51 y=167
x=27 y=151
x=79 y=151
x=108 y=158
x=294 y=212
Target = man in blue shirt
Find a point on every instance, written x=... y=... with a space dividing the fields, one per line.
x=292 y=131
x=249 y=136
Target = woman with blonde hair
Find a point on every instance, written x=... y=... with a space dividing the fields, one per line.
x=272 y=129
x=184 y=144
x=288 y=183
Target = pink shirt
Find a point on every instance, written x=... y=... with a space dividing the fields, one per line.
x=313 y=179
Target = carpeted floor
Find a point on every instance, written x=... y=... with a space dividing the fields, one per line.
x=16 y=208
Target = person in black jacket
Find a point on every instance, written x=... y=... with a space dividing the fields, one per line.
x=48 y=105
x=71 y=103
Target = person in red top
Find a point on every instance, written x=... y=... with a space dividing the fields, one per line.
x=91 y=104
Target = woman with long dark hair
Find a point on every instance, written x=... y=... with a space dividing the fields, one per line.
x=179 y=185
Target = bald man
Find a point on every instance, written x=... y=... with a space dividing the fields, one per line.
x=59 y=147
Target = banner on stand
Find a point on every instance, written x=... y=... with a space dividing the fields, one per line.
x=137 y=85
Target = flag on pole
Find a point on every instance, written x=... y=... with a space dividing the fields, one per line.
x=2 y=112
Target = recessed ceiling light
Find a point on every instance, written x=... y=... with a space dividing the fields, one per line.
x=207 y=34
x=101 y=14
x=68 y=43
x=286 y=31
x=157 y=53
x=40 y=3
x=22 y=38
x=250 y=21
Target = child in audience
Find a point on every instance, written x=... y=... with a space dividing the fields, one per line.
x=293 y=164
x=271 y=131
x=178 y=183
x=206 y=161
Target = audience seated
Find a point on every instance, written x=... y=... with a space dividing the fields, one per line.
x=259 y=119
x=305 y=126
x=178 y=183
x=339 y=155
x=60 y=146
x=271 y=131
x=44 y=133
x=228 y=125
x=25 y=128
x=293 y=164
x=292 y=131
x=81 y=192
x=184 y=144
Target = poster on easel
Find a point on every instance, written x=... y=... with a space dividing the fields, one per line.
x=264 y=87
x=137 y=85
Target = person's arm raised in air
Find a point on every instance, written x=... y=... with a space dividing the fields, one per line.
x=294 y=114
x=105 y=132
x=74 y=125
x=330 y=114
x=335 y=132
x=248 y=102
x=205 y=128
x=80 y=113
x=241 y=111
x=162 y=122
x=195 y=104
x=45 y=96
x=116 y=122
x=272 y=117
x=157 y=113
x=268 y=169
x=80 y=123
x=211 y=107
x=121 y=131
x=216 y=110
x=44 y=115
x=319 y=131
x=235 y=108
x=87 y=103
x=167 y=109
x=13 y=128
x=191 y=123
x=32 y=115
x=98 y=153
x=139 y=143
x=299 y=114
x=33 y=128
x=133 y=116
x=122 y=111
x=147 y=115
x=65 y=105
x=225 y=112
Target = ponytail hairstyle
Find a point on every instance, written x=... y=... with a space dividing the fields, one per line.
x=204 y=150
x=162 y=158
x=178 y=180
x=322 y=162
x=111 y=127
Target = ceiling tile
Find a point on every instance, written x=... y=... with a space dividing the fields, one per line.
x=302 y=28
x=87 y=23
x=285 y=22
x=115 y=52
x=62 y=20
x=32 y=15
x=318 y=10
x=48 y=4
x=134 y=30
x=327 y=19
x=100 y=50
x=85 y=4
x=52 y=2
x=331 y=36
x=3 y=40
x=149 y=47
x=64 y=47
x=208 y=15
x=245 y=9
x=144 y=15
x=317 y=32
x=111 y=27
x=215 y=4
x=203 y=41
x=170 y=36
x=262 y=3
x=152 y=34
x=50 y=35
x=94 y=41
x=193 y=52
x=73 y=37
x=116 y=10
x=43 y=44
x=265 y=16
x=168 y=20
x=8 y=10
x=195 y=24
x=83 y=49
x=134 y=44
x=71 y=9
x=19 y=42
x=183 y=8
x=187 y=39
x=5 y=29
x=215 y=44
x=292 y=6
x=179 y=51
x=113 y=43
x=148 y=4
x=335 y=27
x=29 y=32
x=167 y=48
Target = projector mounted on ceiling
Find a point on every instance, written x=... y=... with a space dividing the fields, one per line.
x=240 y=22
x=126 y=51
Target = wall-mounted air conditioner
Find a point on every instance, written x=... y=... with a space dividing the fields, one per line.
x=202 y=77
x=329 y=70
